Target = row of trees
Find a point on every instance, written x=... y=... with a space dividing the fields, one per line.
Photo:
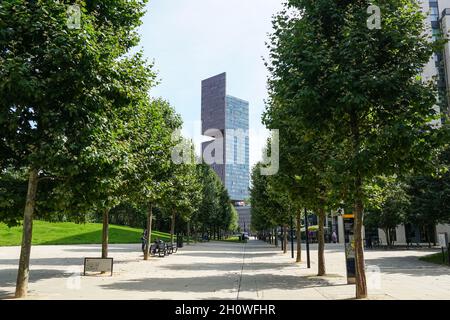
x=80 y=134
x=350 y=106
x=421 y=201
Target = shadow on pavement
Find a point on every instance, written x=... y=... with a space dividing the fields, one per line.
x=227 y=255
x=218 y=283
x=230 y=266
x=8 y=276
x=6 y=295
x=63 y=262
x=407 y=265
x=98 y=250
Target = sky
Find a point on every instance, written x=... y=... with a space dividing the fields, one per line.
x=191 y=40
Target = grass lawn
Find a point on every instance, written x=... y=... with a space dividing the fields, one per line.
x=232 y=239
x=48 y=233
x=436 y=258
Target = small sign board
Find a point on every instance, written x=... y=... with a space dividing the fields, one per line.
x=349 y=248
x=443 y=239
x=98 y=265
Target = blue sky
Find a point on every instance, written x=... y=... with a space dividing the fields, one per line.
x=191 y=40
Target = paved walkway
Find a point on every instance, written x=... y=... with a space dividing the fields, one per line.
x=219 y=270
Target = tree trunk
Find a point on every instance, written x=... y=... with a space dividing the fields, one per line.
x=429 y=236
x=276 y=237
x=189 y=232
x=361 y=285
x=285 y=240
x=172 y=227
x=149 y=231
x=321 y=251
x=25 y=250
x=105 y=235
x=360 y=274
x=387 y=232
x=299 y=237
x=282 y=238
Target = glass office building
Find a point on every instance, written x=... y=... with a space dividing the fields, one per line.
x=236 y=148
x=230 y=116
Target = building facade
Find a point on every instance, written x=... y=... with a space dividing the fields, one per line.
x=438 y=68
x=437 y=26
x=226 y=120
x=245 y=218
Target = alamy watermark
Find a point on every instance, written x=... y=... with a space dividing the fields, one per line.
x=229 y=148
x=374 y=20
x=73 y=16
x=373 y=276
x=73 y=282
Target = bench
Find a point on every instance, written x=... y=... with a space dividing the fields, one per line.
x=158 y=249
x=172 y=248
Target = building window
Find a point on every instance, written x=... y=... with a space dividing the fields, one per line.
x=434 y=14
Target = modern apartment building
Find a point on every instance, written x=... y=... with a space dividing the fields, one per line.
x=226 y=119
x=437 y=25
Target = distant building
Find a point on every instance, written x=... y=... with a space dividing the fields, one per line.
x=227 y=117
x=245 y=218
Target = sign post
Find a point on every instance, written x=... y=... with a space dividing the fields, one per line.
x=349 y=248
x=292 y=237
x=98 y=265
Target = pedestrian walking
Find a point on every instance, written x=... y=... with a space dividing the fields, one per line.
x=334 y=237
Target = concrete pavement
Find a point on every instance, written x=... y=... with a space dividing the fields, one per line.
x=220 y=270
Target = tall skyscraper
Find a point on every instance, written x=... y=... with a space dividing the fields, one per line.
x=226 y=119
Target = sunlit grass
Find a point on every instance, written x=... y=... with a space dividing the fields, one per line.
x=436 y=258
x=49 y=233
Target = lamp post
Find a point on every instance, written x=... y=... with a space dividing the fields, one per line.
x=292 y=237
x=308 y=262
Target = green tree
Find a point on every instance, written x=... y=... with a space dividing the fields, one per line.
x=387 y=205
x=152 y=146
x=261 y=219
x=430 y=195
x=215 y=214
x=271 y=206
x=183 y=193
x=358 y=88
x=304 y=171
x=57 y=84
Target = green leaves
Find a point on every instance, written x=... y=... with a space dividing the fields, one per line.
x=345 y=98
x=68 y=97
x=388 y=203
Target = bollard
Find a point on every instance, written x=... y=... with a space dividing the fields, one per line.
x=448 y=253
x=443 y=255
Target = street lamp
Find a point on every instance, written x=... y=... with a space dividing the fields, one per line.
x=292 y=237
